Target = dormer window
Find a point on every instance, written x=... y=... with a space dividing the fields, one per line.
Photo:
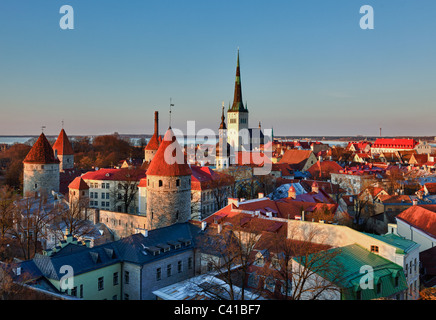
x=374 y=249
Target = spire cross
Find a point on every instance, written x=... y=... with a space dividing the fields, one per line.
x=42 y=128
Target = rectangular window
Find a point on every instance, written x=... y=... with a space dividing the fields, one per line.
x=74 y=292
x=115 y=280
x=158 y=274
x=169 y=270
x=81 y=291
x=126 y=277
x=179 y=266
x=100 y=283
x=190 y=263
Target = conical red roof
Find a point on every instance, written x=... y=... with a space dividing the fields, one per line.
x=153 y=144
x=169 y=159
x=41 y=152
x=63 y=145
x=78 y=184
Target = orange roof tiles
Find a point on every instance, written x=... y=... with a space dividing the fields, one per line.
x=169 y=159
x=63 y=145
x=41 y=152
x=153 y=144
x=123 y=174
x=395 y=143
x=422 y=217
x=78 y=184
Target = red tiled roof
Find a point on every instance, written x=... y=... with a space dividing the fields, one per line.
x=41 y=152
x=431 y=188
x=78 y=184
x=395 y=143
x=169 y=159
x=422 y=217
x=323 y=169
x=142 y=183
x=153 y=144
x=203 y=178
x=123 y=174
x=296 y=158
x=386 y=198
x=63 y=145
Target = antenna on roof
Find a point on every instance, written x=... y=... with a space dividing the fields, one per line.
x=62 y=123
x=42 y=128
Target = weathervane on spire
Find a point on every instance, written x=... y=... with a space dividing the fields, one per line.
x=42 y=129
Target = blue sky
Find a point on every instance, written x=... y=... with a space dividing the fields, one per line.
x=306 y=66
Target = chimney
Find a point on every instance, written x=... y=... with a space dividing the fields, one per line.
x=233 y=201
x=315 y=187
x=292 y=193
x=96 y=216
x=261 y=195
x=219 y=227
x=203 y=225
x=415 y=202
x=156 y=123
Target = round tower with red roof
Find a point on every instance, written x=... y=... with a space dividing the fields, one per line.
x=41 y=169
x=168 y=185
x=64 y=152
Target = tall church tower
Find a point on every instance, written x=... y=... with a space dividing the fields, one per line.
x=41 y=169
x=64 y=152
x=222 y=148
x=237 y=116
x=168 y=185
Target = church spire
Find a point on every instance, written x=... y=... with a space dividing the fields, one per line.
x=223 y=123
x=237 y=100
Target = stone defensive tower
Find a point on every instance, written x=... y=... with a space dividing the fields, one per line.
x=168 y=185
x=64 y=152
x=41 y=169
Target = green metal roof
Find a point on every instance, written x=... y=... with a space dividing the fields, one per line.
x=350 y=259
x=403 y=245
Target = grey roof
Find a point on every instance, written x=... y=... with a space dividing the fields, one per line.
x=135 y=249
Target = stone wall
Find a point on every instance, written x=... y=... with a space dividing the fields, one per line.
x=40 y=178
x=168 y=200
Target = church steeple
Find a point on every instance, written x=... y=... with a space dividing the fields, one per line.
x=237 y=99
x=223 y=123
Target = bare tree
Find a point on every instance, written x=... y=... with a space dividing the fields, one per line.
x=221 y=187
x=30 y=221
x=308 y=243
x=74 y=218
x=227 y=252
x=7 y=210
x=125 y=191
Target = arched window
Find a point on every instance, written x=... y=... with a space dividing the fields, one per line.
x=160 y=183
x=178 y=183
